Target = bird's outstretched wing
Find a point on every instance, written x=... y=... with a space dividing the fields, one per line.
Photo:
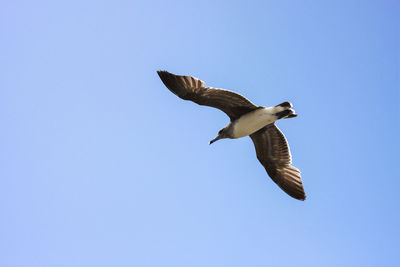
x=273 y=152
x=193 y=89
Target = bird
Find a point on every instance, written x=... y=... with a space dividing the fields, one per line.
x=246 y=119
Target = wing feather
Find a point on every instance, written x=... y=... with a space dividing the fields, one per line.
x=273 y=152
x=193 y=89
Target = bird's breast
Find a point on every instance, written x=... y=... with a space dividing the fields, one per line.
x=253 y=121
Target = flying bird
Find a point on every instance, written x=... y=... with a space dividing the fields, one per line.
x=247 y=119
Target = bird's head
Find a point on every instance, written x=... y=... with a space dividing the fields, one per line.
x=223 y=133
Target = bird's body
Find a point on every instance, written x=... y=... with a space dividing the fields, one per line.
x=253 y=121
x=247 y=119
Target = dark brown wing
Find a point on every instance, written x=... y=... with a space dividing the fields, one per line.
x=274 y=154
x=189 y=88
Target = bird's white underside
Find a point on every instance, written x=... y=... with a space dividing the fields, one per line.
x=254 y=121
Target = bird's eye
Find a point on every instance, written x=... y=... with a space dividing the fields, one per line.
x=220 y=131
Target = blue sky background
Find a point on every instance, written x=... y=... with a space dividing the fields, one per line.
x=100 y=165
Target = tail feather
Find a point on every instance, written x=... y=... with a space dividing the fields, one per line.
x=285 y=104
x=294 y=115
x=286 y=114
x=284 y=111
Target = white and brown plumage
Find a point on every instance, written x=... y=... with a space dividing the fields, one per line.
x=247 y=119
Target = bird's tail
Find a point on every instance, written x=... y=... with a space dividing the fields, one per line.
x=284 y=111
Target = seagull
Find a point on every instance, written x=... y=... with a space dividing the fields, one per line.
x=247 y=119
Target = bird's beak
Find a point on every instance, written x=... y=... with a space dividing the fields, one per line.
x=215 y=139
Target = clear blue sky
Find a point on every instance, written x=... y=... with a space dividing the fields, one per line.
x=100 y=165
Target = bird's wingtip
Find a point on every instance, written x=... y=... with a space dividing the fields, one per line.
x=162 y=71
